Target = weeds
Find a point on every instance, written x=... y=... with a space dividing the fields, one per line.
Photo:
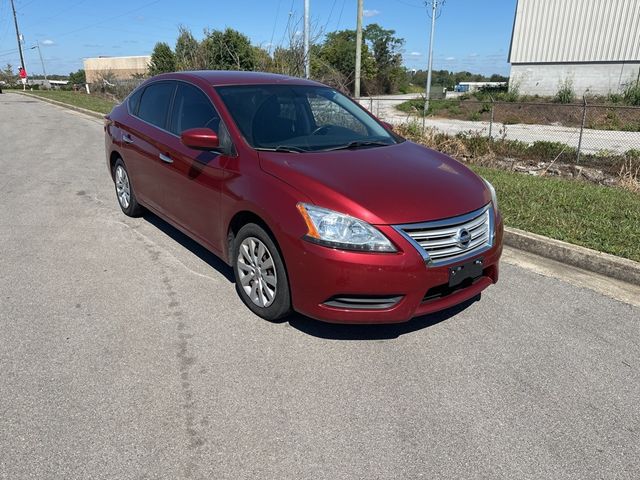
x=476 y=148
x=631 y=95
x=565 y=93
x=629 y=175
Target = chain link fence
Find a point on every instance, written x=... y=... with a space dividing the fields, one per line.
x=600 y=143
x=583 y=130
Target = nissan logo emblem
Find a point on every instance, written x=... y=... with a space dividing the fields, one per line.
x=463 y=238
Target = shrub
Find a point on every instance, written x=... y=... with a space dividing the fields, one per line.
x=411 y=130
x=551 y=150
x=511 y=120
x=614 y=98
x=454 y=109
x=510 y=148
x=631 y=95
x=475 y=116
x=633 y=154
x=565 y=93
x=477 y=145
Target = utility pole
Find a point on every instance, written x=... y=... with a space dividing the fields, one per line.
x=434 y=7
x=358 y=49
x=307 y=60
x=37 y=45
x=15 y=21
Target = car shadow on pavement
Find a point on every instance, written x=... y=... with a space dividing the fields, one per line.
x=191 y=245
x=335 y=331
x=316 y=328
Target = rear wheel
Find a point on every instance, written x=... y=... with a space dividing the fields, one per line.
x=124 y=191
x=261 y=278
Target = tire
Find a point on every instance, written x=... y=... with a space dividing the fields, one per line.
x=124 y=191
x=261 y=277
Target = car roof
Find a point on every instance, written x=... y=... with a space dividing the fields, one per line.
x=232 y=77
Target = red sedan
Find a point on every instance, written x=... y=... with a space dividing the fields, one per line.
x=318 y=206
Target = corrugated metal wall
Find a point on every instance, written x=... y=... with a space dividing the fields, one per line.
x=576 y=31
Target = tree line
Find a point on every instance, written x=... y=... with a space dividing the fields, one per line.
x=332 y=59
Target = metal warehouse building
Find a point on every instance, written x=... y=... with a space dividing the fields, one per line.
x=593 y=43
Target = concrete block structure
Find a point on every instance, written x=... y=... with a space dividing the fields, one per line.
x=594 y=44
x=120 y=67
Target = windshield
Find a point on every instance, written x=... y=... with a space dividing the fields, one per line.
x=300 y=118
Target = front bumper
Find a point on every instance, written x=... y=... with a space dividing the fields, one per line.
x=351 y=287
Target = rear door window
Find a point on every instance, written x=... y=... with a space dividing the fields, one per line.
x=134 y=101
x=154 y=104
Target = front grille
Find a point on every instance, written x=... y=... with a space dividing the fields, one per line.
x=453 y=239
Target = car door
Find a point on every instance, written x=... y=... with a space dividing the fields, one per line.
x=197 y=175
x=146 y=137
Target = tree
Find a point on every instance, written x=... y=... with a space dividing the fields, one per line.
x=388 y=58
x=7 y=75
x=264 y=62
x=77 y=78
x=228 y=50
x=187 y=52
x=338 y=53
x=162 y=59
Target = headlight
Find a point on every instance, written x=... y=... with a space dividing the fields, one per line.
x=337 y=230
x=494 y=198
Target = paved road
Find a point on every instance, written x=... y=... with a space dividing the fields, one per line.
x=593 y=141
x=126 y=354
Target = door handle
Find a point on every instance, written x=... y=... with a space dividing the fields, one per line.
x=126 y=138
x=165 y=158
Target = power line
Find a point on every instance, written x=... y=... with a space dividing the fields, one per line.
x=22 y=7
x=409 y=4
x=340 y=16
x=287 y=26
x=324 y=29
x=109 y=19
x=275 y=23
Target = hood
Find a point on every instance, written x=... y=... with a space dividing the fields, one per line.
x=401 y=183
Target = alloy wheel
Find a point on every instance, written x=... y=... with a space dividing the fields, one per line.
x=257 y=272
x=123 y=189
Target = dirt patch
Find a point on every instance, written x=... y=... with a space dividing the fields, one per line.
x=598 y=117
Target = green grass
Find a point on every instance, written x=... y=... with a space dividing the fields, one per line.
x=77 y=99
x=416 y=106
x=597 y=217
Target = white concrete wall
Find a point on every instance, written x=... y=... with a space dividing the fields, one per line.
x=597 y=78
x=120 y=67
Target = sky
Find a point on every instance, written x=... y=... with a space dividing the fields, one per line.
x=470 y=35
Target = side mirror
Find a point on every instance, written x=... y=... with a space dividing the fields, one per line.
x=387 y=125
x=200 y=139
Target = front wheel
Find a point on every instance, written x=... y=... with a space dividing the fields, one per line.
x=261 y=278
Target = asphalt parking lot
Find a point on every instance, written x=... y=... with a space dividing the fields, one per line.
x=125 y=353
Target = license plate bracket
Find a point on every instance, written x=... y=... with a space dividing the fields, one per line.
x=466 y=271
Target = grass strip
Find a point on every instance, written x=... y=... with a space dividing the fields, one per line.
x=593 y=216
x=77 y=99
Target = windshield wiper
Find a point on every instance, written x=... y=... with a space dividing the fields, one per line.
x=359 y=144
x=284 y=148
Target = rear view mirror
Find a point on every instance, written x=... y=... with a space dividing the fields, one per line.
x=200 y=139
